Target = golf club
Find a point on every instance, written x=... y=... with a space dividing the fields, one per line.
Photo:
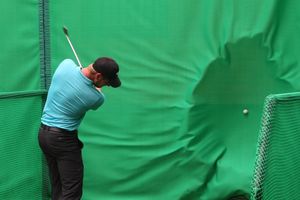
x=68 y=38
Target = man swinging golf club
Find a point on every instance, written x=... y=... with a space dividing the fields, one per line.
x=73 y=91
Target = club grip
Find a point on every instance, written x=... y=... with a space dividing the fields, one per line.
x=65 y=30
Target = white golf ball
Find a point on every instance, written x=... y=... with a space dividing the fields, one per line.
x=245 y=111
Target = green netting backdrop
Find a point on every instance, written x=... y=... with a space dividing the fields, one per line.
x=21 y=165
x=21 y=172
x=175 y=129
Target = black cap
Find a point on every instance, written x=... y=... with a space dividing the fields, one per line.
x=109 y=69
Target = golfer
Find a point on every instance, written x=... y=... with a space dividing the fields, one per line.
x=73 y=91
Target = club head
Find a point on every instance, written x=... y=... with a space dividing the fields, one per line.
x=65 y=30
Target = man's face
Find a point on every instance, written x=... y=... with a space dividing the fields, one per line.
x=100 y=81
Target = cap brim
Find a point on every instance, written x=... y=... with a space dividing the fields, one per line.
x=115 y=82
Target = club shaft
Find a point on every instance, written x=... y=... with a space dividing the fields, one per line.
x=73 y=51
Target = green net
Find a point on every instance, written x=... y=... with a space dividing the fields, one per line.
x=21 y=174
x=277 y=165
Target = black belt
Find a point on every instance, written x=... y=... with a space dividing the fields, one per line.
x=55 y=129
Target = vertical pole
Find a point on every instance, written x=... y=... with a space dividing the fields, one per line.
x=45 y=75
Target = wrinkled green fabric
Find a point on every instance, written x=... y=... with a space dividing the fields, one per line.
x=176 y=128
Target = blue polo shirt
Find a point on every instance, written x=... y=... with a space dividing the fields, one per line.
x=70 y=96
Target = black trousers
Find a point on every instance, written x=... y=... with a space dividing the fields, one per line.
x=62 y=150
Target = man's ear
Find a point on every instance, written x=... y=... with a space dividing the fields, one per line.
x=98 y=76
